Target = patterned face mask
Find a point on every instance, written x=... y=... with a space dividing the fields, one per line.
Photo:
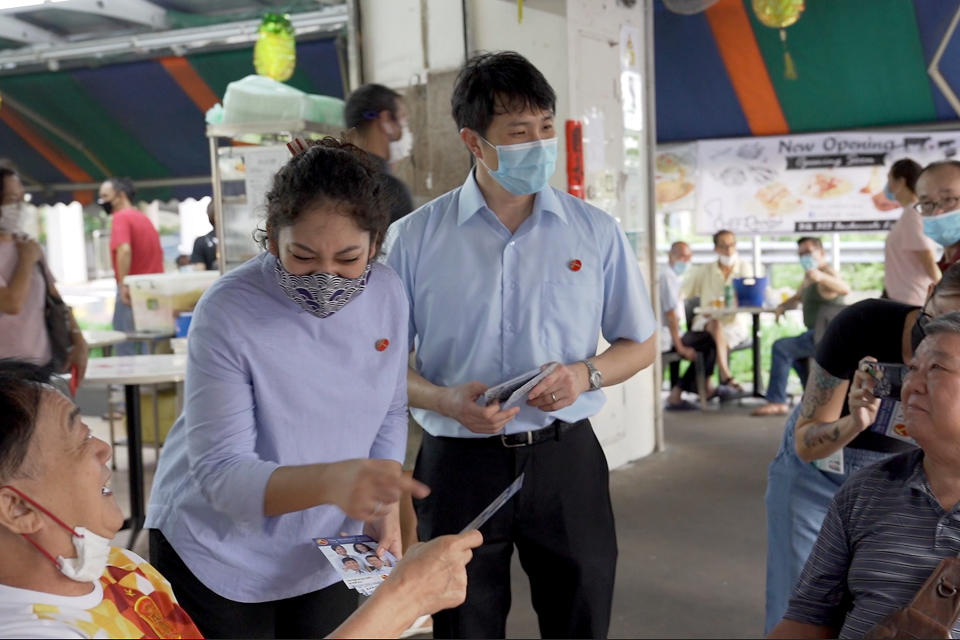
x=322 y=294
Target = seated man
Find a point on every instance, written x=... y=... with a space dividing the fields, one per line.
x=890 y=525
x=821 y=285
x=708 y=283
x=671 y=303
x=59 y=576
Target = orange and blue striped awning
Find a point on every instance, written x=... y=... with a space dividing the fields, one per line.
x=860 y=64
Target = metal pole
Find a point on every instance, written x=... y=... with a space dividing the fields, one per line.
x=217 y=204
x=354 y=56
x=757 y=256
x=650 y=122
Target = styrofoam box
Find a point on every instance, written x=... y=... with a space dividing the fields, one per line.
x=157 y=298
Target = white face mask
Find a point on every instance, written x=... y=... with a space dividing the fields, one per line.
x=401 y=148
x=92 y=554
x=10 y=217
x=728 y=260
x=93 y=551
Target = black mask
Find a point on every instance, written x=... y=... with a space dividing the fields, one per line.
x=918 y=332
x=107 y=206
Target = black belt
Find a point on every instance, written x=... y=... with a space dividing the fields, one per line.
x=553 y=431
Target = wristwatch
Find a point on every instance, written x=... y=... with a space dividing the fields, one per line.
x=596 y=378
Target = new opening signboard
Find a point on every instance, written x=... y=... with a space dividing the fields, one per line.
x=812 y=183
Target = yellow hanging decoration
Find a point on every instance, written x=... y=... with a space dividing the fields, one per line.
x=275 y=53
x=780 y=14
x=519 y=11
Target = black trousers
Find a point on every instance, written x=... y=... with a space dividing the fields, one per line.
x=561 y=523
x=312 y=615
x=704 y=343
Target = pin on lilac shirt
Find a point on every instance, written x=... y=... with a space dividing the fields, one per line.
x=270 y=385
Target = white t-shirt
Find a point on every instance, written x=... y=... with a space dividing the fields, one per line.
x=131 y=600
x=671 y=299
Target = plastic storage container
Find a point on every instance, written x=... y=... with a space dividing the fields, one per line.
x=750 y=291
x=157 y=298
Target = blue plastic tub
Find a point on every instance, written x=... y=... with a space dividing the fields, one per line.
x=750 y=291
x=183 y=323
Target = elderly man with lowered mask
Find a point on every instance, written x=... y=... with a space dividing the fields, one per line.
x=59 y=575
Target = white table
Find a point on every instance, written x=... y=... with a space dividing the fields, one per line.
x=719 y=312
x=104 y=339
x=131 y=372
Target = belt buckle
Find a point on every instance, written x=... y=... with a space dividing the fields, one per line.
x=503 y=441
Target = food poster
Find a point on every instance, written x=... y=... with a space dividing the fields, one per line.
x=675 y=177
x=816 y=183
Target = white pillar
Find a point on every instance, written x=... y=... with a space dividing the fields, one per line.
x=66 y=249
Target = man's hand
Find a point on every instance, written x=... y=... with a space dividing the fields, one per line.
x=368 y=489
x=815 y=275
x=435 y=573
x=864 y=406
x=561 y=388
x=460 y=403
x=125 y=294
x=386 y=531
x=778 y=313
x=687 y=353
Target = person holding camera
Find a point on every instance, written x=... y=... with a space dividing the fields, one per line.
x=823 y=442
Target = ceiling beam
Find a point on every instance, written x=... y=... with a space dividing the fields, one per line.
x=181 y=41
x=19 y=31
x=134 y=11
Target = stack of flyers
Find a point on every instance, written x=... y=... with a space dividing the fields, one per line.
x=355 y=559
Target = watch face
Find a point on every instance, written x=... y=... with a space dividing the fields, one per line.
x=595 y=380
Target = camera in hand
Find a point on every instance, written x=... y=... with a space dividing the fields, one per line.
x=889 y=378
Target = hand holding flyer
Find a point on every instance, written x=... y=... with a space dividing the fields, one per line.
x=355 y=560
x=513 y=392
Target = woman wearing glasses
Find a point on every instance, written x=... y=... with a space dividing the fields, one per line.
x=823 y=442
x=938 y=201
x=909 y=256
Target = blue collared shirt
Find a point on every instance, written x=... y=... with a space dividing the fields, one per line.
x=489 y=305
x=268 y=385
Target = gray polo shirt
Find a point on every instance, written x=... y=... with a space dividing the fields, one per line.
x=883 y=536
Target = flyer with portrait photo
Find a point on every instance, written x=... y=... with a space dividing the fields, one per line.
x=355 y=560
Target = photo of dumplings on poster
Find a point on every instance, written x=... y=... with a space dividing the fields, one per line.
x=812 y=183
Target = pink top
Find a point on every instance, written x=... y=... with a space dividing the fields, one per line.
x=904 y=277
x=23 y=335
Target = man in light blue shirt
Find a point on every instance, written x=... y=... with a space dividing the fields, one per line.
x=506 y=274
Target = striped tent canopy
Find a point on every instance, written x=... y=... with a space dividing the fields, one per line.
x=859 y=63
x=141 y=119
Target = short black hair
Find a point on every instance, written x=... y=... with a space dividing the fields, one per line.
x=722 y=232
x=124 y=185
x=493 y=83
x=5 y=172
x=817 y=242
x=21 y=384
x=909 y=170
x=366 y=103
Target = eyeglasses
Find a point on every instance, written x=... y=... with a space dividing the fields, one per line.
x=927 y=208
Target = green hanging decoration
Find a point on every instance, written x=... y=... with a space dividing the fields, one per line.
x=780 y=14
x=275 y=53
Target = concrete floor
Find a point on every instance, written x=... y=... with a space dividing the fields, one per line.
x=690 y=524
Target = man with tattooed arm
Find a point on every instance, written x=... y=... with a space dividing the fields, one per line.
x=824 y=441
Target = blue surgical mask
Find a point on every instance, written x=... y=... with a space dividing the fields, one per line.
x=943 y=229
x=680 y=267
x=889 y=194
x=524 y=168
x=808 y=263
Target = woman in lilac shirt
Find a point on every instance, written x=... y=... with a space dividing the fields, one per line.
x=295 y=419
